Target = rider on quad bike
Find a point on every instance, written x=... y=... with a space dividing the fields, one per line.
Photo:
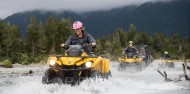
x=79 y=61
x=130 y=49
x=80 y=37
x=130 y=58
x=167 y=61
x=165 y=56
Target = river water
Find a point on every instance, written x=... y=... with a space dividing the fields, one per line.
x=149 y=81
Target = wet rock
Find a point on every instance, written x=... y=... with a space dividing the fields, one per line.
x=30 y=73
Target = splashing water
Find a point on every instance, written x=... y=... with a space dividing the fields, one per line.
x=147 y=81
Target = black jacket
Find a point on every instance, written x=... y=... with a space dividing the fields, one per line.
x=131 y=50
x=75 y=40
x=166 y=56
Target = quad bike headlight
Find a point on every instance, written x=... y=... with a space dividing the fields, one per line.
x=52 y=62
x=88 y=64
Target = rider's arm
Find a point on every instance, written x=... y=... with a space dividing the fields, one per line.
x=92 y=40
x=163 y=56
x=168 y=56
x=125 y=50
x=67 y=43
x=136 y=50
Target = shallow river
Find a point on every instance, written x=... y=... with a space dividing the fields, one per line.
x=148 y=81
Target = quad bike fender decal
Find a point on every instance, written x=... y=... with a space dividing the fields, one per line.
x=166 y=61
x=169 y=61
x=131 y=60
x=98 y=60
x=102 y=65
x=85 y=60
x=106 y=66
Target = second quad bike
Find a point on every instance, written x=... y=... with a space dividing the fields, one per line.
x=77 y=64
x=140 y=60
x=168 y=63
x=130 y=60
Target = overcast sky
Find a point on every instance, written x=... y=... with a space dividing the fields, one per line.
x=9 y=7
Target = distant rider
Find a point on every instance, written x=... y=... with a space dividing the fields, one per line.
x=130 y=49
x=165 y=56
x=80 y=37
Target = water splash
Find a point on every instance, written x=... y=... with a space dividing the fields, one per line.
x=147 y=81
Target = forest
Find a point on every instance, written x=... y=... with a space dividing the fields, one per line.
x=44 y=39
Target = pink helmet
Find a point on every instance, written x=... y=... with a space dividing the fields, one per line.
x=77 y=25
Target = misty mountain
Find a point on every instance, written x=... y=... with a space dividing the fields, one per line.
x=167 y=17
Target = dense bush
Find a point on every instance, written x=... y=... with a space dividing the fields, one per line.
x=7 y=64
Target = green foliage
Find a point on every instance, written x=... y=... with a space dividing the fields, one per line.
x=117 y=49
x=15 y=58
x=30 y=59
x=158 y=43
x=45 y=38
x=186 y=49
x=102 y=44
x=10 y=39
x=132 y=32
x=25 y=62
x=64 y=31
x=56 y=32
x=7 y=64
x=143 y=38
x=32 y=36
x=51 y=28
x=42 y=42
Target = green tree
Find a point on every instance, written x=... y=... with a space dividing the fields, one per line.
x=43 y=40
x=1 y=37
x=186 y=50
x=10 y=40
x=132 y=32
x=122 y=37
x=51 y=30
x=143 y=38
x=117 y=49
x=32 y=35
x=101 y=44
x=64 y=30
x=173 y=45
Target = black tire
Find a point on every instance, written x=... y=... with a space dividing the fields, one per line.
x=138 y=67
x=109 y=74
x=122 y=66
x=171 y=65
x=49 y=77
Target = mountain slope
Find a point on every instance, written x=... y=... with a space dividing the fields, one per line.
x=168 y=17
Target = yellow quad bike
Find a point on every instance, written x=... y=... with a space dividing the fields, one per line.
x=130 y=60
x=169 y=63
x=75 y=66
